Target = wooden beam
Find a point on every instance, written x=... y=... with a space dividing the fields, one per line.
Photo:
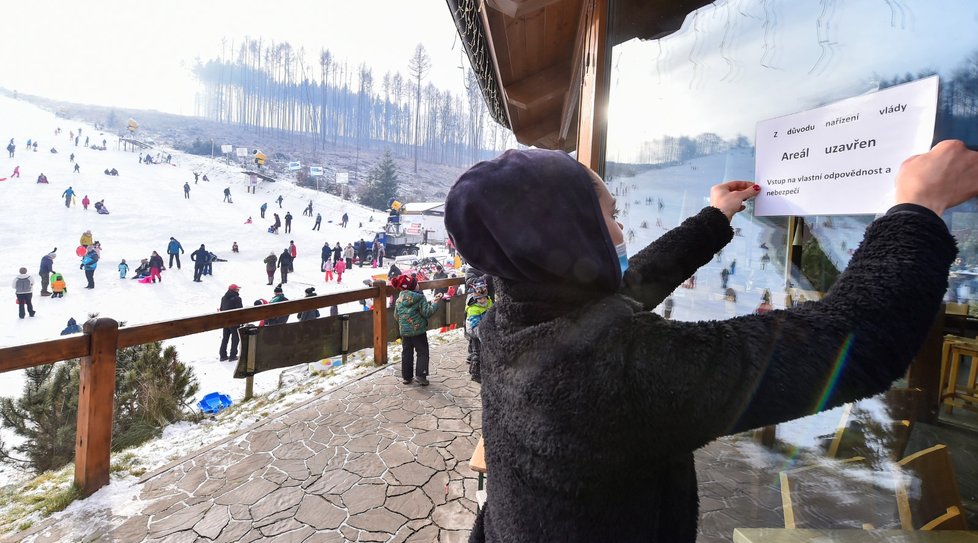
x=592 y=125
x=96 y=401
x=45 y=352
x=519 y=8
x=531 y=92
x=495 y=25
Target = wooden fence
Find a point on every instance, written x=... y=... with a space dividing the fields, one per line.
x=102 y=337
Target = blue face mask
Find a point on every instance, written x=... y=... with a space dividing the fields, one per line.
x=622 y=257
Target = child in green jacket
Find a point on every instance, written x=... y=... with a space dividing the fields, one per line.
x=412 y=310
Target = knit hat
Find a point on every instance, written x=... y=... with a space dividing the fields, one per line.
x=404 y=282
x=278 y=289
x=311 y=291
x=568 y=242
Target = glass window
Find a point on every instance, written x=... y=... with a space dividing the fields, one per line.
x=681 y=118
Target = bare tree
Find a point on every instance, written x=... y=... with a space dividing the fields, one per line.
x=418 y=65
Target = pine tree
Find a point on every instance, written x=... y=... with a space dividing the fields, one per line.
x=152 y=389
x=381 y=183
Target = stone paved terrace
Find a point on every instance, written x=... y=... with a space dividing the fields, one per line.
x=374 y=460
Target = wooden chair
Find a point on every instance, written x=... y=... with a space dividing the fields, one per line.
x=953 y=393
x=830 y=495
x=851 y=439
x=478 y=465
x=927 y=493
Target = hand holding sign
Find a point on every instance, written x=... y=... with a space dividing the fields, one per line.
x=729 y=197
x=939 y=179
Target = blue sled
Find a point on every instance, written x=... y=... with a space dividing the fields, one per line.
x=214 y=403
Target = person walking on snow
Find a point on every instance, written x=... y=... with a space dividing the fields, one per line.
x=319 y=220
x=285 y=264
x=200 y=258
x=328 y=269
x=85 y=202
x=123 y=269
x=24 y=288
x=292 y=252
x=337 y=252
x=271 y=262
x=346 y=218
x=280 y=199
x=174 y=249
x=263 y=207
x=230 y=301
x=71 y=157
x=196 y=177
x=47 y=265
x=68 y=194
x=89 y=264
x=288 y=222
x=77 y=168
x=325 y=254
x=339 y=267
x=227 y=195
x=186 y=190
x=348 y=255
x=16 y=172
x=155 y=267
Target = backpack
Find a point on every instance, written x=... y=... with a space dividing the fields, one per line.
x=23 y=284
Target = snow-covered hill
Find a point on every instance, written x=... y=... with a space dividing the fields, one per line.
x=147 y=206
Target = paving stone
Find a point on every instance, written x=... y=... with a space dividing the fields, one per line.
x=423 y=423
x=319 y=513
x=414 y=505
x=180 y=520
x=263 y=441
x=132 y=529
x=362 y=498
x=318 y=462
x=453 y=536
x=334 y=482
x=450 y=412
x=366 y=465
x=252 y=535
x=434 y=437
x=275 y=475
x=306 y=413
x=192 y=480
x=275 y=517
x=457 y=426
x=396 y=454
x=279 y=500
x=424 y=535
x=412 y=473
x=247 y=493
x=378 y=520
x=374 y=536
x=453 y=516
x=186 y=536
x=213 y=522
x=234 y=531
x=429 y=456
x=332 y=536
x=243 y=470
x=162 y=480
x=294 y=468
x=281 y=526
x=369 y=443
x=435 y=488
x=350 y=533
x=163 y=504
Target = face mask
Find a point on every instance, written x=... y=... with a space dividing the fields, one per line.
x=622 y=257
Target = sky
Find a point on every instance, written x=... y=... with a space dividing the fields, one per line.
x=139 y=55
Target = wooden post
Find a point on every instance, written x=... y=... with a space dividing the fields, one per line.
x=345 y=341
x=96 y=403
x=380 y=323
x=252 y=339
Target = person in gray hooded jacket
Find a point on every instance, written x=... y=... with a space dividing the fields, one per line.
x=593 y=405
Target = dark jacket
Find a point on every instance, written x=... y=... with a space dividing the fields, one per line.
x=47 y=263
x=156 y=261
x=231 y=300
x=200 y=257
x=602 y=447
x=278 y=320
x=285 y=260
x=310 y=314
x=271 y=262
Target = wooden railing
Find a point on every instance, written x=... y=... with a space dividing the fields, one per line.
x=102 y=337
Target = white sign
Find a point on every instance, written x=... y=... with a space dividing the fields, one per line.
x=295 y=166
x=841 y=159
x=226 y=148
x=342 y=178
x=241 y=152
x=315 y=171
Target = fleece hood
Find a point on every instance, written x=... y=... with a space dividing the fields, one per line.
x=533 y=216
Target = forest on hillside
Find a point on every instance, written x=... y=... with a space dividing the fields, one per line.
x=274 y=86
